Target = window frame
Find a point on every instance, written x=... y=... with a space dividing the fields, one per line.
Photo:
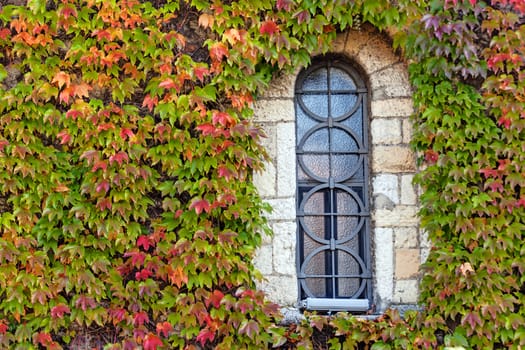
x=362 y=300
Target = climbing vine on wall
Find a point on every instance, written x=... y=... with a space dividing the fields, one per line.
x=127 y=214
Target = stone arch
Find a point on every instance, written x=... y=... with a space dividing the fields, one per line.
x=397 y=248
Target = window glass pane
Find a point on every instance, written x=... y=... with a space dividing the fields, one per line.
x=340 y=80
x=316 y=104
x=343 y=141
x=344 y=166
x=342 y=104
x=304 y=122
x=318 y=165
x=346 y=228
x=318 y=141
x=347 y=287
x=317 y=286
x=315 y=226
x=316 y=80
x=355 y=122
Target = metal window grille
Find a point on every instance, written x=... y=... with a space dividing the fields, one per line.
x=333 y=250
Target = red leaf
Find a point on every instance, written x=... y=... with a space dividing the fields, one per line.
x=140 y=318
x=215 y=299
x=84 y=302
x=104 y=203
x=137 y=258
x=44 y=339
x=218 y=51
x=64 y=137
x=168 y=84
x=284 y=5
x=225 y=172
x=200 y=72
x=102 y=34
x=431 y=156
x=102 y=164
x=164 y=328
x=68 y=11
x=207 y=129
x=151 y=342
x=143 y=275
x=4 y=33
x=200 y=205
x=205 y=335
x=3 y=143
x=73 y=114
x=59 y=311
x=103 y=186
x=3 y=327
x=222 y=118
x=125 y=133
x=120 y=157
x=269 y=27
x=118 y=315
x=66 y=94
x=150 y=102
x=144 y=242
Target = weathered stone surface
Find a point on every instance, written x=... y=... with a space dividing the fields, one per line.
x=357 y=39
x=390 y=82
x=408 y=192
x=286 y=159
x=377 y=54
x=263 y=259
x=283 y=208
x=386 y=184
x=408 y=130
x=406 y=237
x=407 y=263
x=386 y=131
x=400 y=216
x=265 y=181
x=282 y=86
x=384 y=266
x=406 y=291
x=284 y=243
x=392 y=159
x=392 y=107
x=281 y=289
x=277 y=111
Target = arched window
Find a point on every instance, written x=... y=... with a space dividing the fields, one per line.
x=333 y=242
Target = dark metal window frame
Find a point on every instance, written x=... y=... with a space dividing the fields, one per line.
x=352 y=185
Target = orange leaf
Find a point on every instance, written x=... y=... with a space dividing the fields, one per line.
x=177 y=276
x=206 y=20
x=82 y=90
x=61 y=78
x=218 y=51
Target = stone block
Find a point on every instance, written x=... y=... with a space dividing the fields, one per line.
x=392 y=107
x=357 y=39
x=377 y=54
x=390 y=82
x=338 y=45
x=406 y=237
x=286 y=168
x=392 y=159
x=281 y=86
x=384 y=265
x=408 y=192
x=400 y=216
x=386 y=131
x=284 y=244
x=263 y=260
x=280 y=289
x=386 y=184
x=274 y=110
x=269 y=142
x=283 y=208
x=406 y=291
x=265 y=181
x=424 y=254
x=407 y=263
x=408 y=130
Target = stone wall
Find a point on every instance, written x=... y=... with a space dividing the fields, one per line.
x=397 y=245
